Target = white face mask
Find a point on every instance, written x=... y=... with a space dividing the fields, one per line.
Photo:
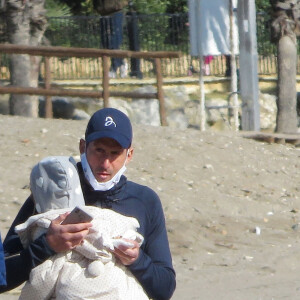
x=100 y=186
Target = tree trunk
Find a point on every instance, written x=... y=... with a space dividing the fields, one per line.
x=26 y=24
x=287 y=71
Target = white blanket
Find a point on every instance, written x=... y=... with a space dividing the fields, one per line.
x=90 y=271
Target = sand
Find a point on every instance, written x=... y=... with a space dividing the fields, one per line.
x=231 y=203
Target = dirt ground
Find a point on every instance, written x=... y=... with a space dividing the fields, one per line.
x=231 y=203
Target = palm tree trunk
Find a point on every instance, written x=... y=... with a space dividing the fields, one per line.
x=26 y=24
x=287 y=71
x=285 y=27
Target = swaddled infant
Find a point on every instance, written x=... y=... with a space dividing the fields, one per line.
x=89 y=271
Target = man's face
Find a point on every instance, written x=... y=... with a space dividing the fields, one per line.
x=106 y=157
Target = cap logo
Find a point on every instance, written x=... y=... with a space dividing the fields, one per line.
x=109 y=121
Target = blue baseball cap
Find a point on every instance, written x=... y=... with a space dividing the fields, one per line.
x=109 y=123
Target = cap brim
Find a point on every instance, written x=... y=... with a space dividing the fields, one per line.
x=122 y=140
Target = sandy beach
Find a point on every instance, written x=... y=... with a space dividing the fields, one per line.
x=231 y=203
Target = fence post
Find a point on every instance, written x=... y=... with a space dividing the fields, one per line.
x=160 y=93
x=105 y=81
x=48 y=102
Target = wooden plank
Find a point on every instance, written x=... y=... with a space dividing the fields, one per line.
x=160 y=93
x=49 y=111
x=72 y=92
x=105 y=80
x=83 y=52
x=279 y=138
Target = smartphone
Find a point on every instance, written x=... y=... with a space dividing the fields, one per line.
x=77 y=215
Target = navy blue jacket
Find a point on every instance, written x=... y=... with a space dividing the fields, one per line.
x=2 y=265
x=153 y=268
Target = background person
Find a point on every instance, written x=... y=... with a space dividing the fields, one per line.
x=206 y=67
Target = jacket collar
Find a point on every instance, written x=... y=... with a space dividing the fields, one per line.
x=100 y=198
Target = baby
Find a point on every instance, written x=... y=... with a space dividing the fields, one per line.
x=89 y=271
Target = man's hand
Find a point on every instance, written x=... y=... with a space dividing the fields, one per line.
x=127 y=255
x=62 y=238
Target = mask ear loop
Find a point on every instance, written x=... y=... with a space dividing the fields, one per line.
x=127 y=153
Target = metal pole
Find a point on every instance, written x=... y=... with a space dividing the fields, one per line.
x=248 y=65
x=234 y=80
x=201 y=80
x=202 y=96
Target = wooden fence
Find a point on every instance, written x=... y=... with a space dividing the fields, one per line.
x=105 y=93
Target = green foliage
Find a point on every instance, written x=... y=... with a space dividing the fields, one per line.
x=180 y=6
x=55 y=8
x=263 y=5
x=78 y=7
x=163 y=6
x=78 y=31
x=150 y=6
x=177 y=6
x=264 y=45
x=157 y=32
x=85 y=7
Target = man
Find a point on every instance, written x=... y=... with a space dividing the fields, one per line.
x=105 y=152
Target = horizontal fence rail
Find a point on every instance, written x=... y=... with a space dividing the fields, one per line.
x=82 y=52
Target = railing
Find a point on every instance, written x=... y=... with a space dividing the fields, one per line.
x=105 y=55
x=164 y=32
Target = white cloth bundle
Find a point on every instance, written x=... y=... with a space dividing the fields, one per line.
x=90 y=271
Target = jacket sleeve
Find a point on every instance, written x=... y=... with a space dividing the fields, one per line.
x=19 y=261
x=153 y=268
x=2 y=265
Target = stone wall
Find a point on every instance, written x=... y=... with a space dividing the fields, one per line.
x=182 y=107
